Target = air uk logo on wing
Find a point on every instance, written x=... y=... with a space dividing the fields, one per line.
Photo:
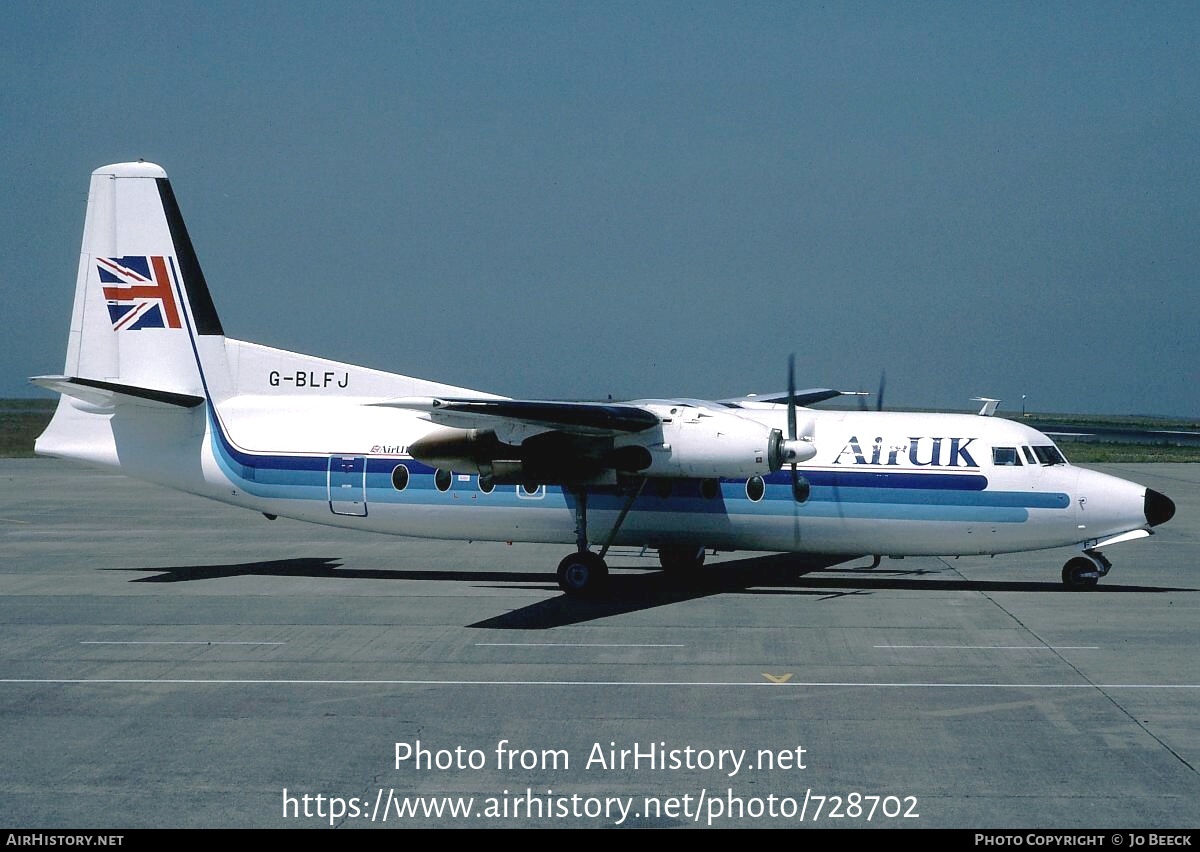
x=138 y=292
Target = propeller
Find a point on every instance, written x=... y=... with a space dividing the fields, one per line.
x=800 y=486
x=862 y=400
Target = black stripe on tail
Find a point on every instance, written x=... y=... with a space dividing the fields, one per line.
x=204 y=313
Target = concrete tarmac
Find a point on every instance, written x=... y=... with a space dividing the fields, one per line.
x=170 y=662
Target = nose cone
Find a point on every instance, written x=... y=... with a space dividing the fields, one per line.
x=1159 y=508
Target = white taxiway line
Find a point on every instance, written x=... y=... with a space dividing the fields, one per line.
x=997 y=647
x=167 y=642
x=566 y=645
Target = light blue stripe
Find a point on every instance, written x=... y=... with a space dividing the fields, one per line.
x=915 y=504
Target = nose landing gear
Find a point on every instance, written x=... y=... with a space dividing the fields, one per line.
x=1083 y=572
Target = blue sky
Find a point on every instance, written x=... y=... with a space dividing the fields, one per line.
x=570 y=200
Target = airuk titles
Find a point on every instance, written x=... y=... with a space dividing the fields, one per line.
x=309 y=379
x=918 y=452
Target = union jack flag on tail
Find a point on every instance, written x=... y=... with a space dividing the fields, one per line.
x=138 y=292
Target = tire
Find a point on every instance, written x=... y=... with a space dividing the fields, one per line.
x=678 y=558
x=1073 y=574
x=582 y=574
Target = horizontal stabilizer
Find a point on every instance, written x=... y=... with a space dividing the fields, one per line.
x=989 y=405
x=108 y=394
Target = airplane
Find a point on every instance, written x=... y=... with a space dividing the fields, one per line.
x=153 y=388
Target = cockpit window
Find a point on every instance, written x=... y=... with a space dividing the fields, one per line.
x=1049 y=455
x=1029 y=457
x=1005 y=456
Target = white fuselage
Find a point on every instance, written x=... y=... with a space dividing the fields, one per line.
x=886 y=483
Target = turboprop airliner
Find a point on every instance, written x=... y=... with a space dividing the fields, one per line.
x=154 y=388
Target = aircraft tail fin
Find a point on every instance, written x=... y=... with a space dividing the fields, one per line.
x=140 y=294
x=144 y=331
x=147 y=357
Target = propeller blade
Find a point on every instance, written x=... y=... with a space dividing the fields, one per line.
x=800 y=487
x=791 y=414
x=862 y=400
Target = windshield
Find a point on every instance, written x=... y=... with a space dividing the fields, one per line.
x=1049 y=455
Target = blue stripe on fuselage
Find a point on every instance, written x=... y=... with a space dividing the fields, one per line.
x=909 y=495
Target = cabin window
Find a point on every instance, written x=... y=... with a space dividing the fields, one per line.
x=1029 y=455
x=1049 y=455
x=400 y=477
x=442 y=479
x=1005 y=456
x=755 y=488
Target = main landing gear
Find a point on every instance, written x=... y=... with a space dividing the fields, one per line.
x=583 y=573
x=1083 y=572
x=676 y=559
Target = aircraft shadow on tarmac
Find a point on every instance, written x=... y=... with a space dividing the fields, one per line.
x=777 y=574
x=637 y=589
x=324 y=566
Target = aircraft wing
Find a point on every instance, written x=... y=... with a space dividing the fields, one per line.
x=808 y=396
x=552 y=441
x=579 y=418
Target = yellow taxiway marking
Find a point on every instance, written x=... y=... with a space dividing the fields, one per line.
x=784 y=678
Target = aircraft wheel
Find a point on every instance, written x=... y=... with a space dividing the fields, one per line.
x=1080 y=574
x=678 y=558
x=582 y=574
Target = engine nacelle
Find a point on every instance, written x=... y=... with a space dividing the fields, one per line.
x=690 y=442
x=547 y=458
x=461 y=450
x=703 y=442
